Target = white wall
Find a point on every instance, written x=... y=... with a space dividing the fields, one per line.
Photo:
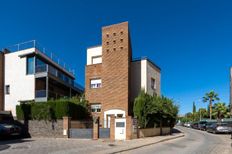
x=141 y=74
x=144 y=75
x=92 y=52
x=22 y=86
x=112 y=112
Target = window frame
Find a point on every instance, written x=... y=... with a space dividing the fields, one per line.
x=95 y=87
x=96 y=107
x=27 y=65
x=7 y=89
x=93 y=57
x=153 y=83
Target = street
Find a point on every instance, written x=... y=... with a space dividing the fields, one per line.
x=194 y=142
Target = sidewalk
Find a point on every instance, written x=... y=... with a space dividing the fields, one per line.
x=77 y=146
x=122 y=146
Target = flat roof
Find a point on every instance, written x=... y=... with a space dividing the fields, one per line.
x=145 y=58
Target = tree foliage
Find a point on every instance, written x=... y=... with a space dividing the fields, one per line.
x=210 y=97
x=154 y=110
x=220 y=111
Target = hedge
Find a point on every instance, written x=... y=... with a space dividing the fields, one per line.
x=52 y=110
x=23 y=111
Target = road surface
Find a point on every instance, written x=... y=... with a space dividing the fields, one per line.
x=194 y=142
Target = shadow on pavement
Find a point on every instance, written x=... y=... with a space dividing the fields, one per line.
x=5 y=143
x=175 y=130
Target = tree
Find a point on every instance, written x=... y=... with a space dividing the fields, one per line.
x=194 y=107
x=220 y=111
x=202 y=113
x=210 y=97
x=142 y=107
x=152 y=110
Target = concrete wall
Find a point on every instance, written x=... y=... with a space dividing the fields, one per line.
x=2 y=85
x=135 y=81
x=141 y=73
x=92 y=52
x=22 y=86
x=149 y=132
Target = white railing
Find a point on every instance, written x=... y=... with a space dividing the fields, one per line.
x=49 y=54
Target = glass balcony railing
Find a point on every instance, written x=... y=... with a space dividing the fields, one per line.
x=53 y=71
x=48 y=53
x=41 y=69
x=40 y=93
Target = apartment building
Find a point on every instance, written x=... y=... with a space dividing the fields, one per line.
x=113 y=79
x=30 y=73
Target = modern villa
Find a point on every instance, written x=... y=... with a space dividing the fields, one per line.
x=29 y=73
x=113 y=79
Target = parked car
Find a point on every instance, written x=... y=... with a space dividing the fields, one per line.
x=187 y=124
x=208 y=124
x=12 y=129
x=8 y=125
x=4 y=132
x=219 y=128
x=202 y=125
x=195 y=125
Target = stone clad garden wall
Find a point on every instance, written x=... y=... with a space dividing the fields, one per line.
x=149 y=132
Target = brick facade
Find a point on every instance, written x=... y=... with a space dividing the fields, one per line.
x=118 y=81
x=2 y=81
x=114 y=71
x=116 y=58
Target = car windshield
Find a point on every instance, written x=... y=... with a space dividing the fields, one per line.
x=222 y=124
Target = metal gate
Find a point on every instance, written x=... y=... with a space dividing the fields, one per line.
x=104 y=132
x=82 y=133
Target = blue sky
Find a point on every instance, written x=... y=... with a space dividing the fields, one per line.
x=190 y=40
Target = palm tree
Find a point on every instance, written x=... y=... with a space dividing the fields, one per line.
x=210 y=97
x=220 y=111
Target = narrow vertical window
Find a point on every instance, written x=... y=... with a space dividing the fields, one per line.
x=30 y=65
x=7 y=89
x=153 y=83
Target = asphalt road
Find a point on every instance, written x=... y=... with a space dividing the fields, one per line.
x=194 y=142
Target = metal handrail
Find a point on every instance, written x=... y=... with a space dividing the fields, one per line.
x=49 y=54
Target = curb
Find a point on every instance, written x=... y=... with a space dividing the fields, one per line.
x=140 y=146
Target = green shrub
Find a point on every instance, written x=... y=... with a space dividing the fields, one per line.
x=23 y=111
x=62 y=109
x=55 y=109
x=40 y=111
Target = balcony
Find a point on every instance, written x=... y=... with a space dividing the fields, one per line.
x=47 y=53
x=40 y=93
x=41 y=96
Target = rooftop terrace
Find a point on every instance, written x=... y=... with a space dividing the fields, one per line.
x=48 y=53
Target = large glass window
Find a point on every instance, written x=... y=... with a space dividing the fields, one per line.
x=95 y=83
x=30 y=65
x=40 y=66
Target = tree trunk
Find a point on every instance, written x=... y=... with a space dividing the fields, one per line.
x=210 y=109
